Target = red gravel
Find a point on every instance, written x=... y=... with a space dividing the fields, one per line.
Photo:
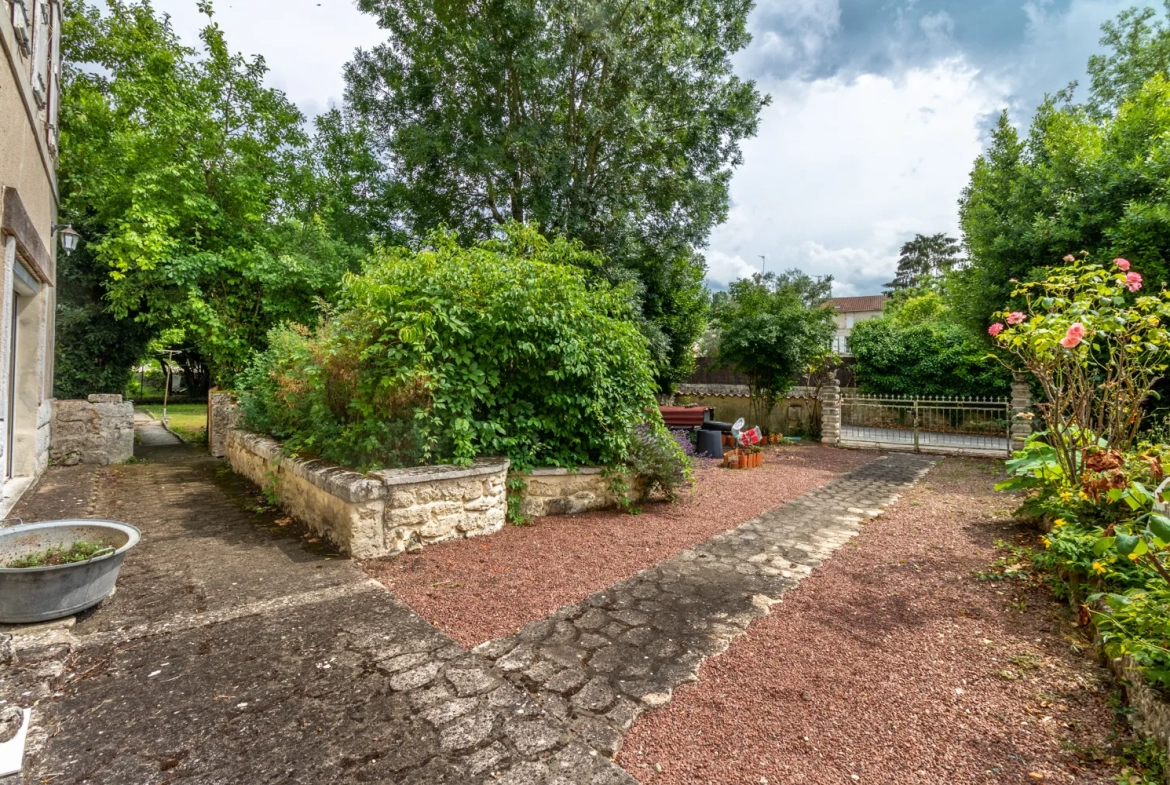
x=487 y=587
x=893 y=663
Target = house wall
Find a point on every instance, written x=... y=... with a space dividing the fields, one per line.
x=845 y=324
x=28 y=208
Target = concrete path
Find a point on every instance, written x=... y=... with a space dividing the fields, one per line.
x=149 y=432
x=233 y=653
x=235 y=650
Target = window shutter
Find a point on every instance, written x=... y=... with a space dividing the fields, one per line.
x=51 y=131
x=40 y=55
x=20 y=24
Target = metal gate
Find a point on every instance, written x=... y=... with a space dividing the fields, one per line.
x=976 y=426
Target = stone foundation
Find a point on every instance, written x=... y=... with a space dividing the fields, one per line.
x=99 y=430
x=381 y=513
x=564 y=492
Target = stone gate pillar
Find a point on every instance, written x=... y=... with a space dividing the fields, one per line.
x=831 y=412
x=1021 y=411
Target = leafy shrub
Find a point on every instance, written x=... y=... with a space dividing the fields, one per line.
x=917 y=349
x=1094 y=348
x=447 y=353
x=657 y=459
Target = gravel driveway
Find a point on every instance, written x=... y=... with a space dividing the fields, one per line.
x=483 y=588
x=894 y=663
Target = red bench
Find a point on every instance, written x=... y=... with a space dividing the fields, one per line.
x=685 y=416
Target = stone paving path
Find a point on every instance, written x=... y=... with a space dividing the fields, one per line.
x=234 y=653
x=597 y=665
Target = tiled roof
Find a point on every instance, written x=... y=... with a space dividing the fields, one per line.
x=872 y=302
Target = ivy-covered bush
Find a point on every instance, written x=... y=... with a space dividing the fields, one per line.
x=916 y=348
x=447 y=353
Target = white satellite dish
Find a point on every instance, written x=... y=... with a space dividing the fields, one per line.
x=738 y=425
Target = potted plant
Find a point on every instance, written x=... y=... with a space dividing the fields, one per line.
x=58 y=568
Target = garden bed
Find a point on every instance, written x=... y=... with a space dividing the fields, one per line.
x=381 y=513
x=480 y=590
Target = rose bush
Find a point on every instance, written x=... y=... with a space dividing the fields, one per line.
x=1095 y=350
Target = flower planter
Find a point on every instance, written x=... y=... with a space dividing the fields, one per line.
x=32 y=594
x=743 y=462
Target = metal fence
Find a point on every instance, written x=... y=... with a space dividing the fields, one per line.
x=942 y=425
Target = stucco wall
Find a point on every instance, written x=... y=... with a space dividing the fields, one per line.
x=28 y=209
x=381 y=513
x=790 y=417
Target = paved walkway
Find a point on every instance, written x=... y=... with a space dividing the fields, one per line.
x=149 y=432
x=235 y=652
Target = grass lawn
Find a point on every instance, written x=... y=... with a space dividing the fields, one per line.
x=189 y=420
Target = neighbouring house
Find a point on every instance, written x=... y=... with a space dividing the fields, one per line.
x=30 y=35
x=850 y=311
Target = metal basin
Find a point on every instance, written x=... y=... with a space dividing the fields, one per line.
x=42 y=593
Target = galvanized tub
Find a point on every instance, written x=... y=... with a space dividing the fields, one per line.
x=31 y=594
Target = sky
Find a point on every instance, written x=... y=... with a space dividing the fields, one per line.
x=879 y=109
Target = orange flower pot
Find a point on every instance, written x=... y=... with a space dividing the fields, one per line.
x=743 y=461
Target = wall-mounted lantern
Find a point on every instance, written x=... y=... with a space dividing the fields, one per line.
x=69 y=237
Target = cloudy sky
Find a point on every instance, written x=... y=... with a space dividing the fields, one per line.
x=879 y=108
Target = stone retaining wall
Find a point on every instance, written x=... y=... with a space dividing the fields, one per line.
x=99 y=430
x=564 y=492
x=381 y=513
x=223 y=412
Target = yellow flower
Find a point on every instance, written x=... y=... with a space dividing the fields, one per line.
x=1134 y=557
x=1045 y=542
x=1065 y=496
x=1084 y=496
x=1098 y=568
x=1058 y=523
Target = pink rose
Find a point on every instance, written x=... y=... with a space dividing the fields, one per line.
x=1133 y=281
x=995 y=329
x=1015 y=317
x=1073 y=337
x=1070 y=258
x=1122 y=264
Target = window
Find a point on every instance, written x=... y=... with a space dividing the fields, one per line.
x=20 y=24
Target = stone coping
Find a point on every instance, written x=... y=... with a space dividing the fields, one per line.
x=559 y=471
x=414 y=475
x=353 y=486
x=346 y=483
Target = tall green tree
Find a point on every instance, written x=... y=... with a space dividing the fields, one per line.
x=924 y=259
x=186 y=176
x=613 y=123
x=1089 y=177
x=772 y=328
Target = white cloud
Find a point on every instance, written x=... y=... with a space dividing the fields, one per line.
x=844 y=171
x=304 y=42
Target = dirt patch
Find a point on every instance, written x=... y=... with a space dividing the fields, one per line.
x=894 y=662
x=487 y=587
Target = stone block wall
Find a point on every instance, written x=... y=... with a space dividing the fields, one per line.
x=380 y=513
x=99 y=430
x=427 y=504
x=563 y=492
